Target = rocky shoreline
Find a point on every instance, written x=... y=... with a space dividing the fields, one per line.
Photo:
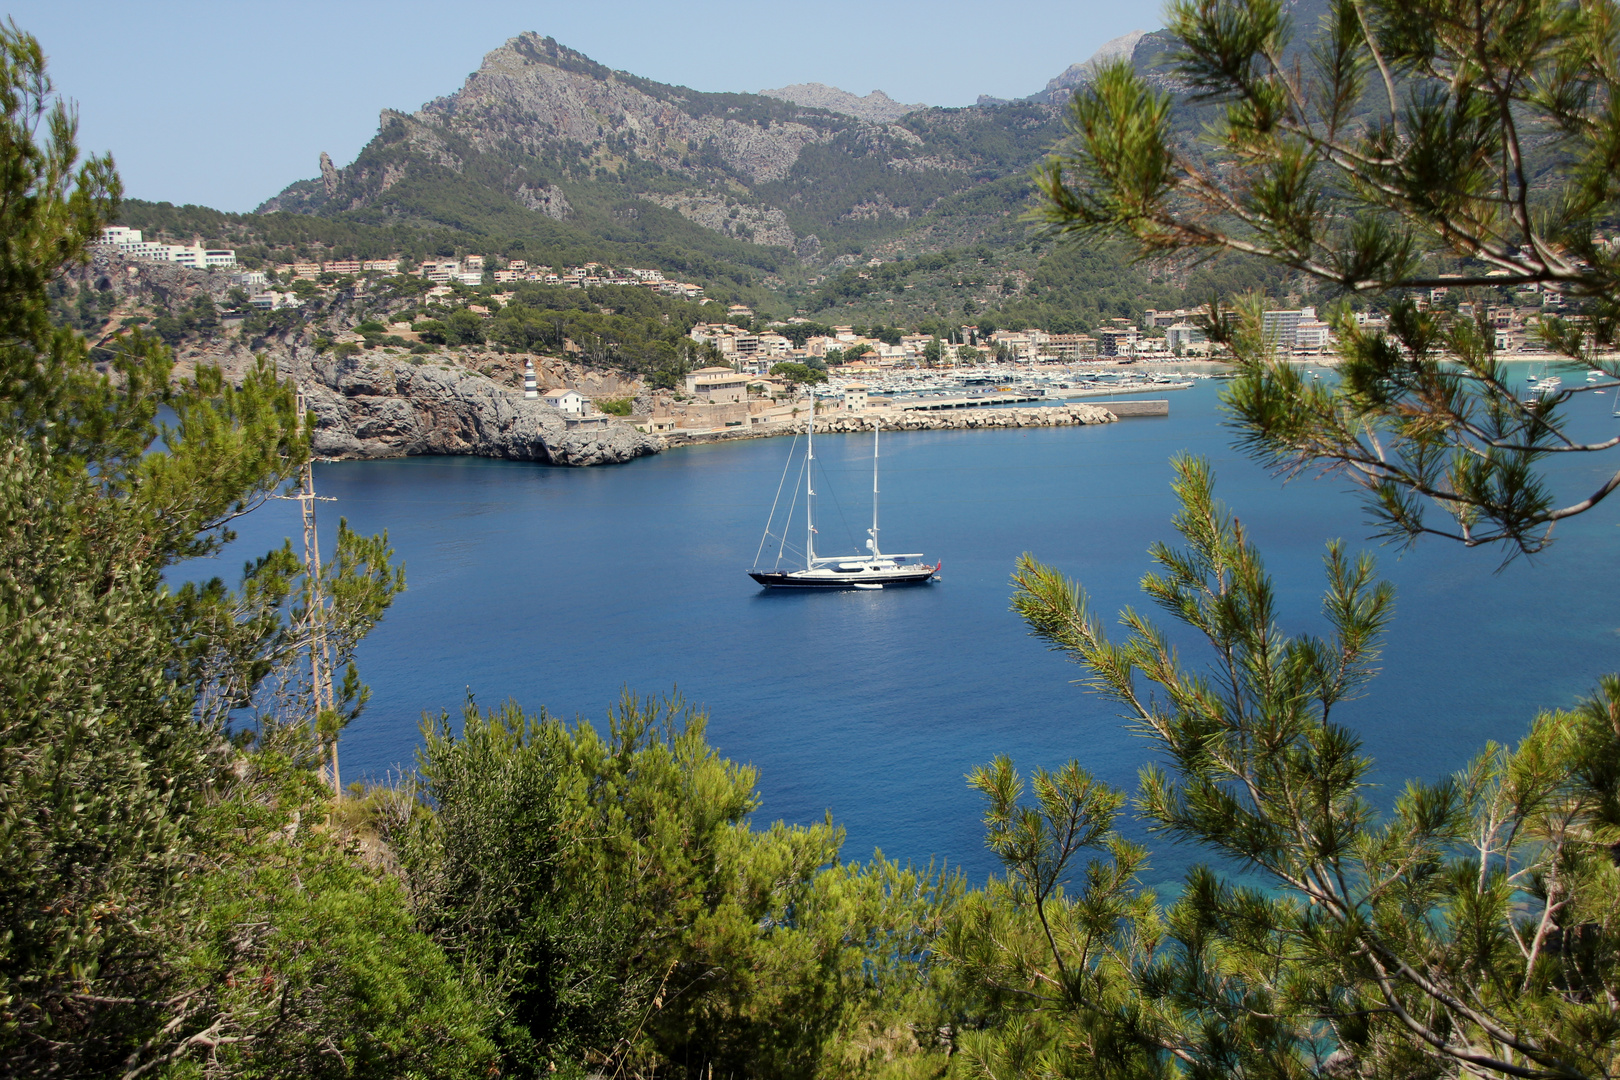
x=378 y=407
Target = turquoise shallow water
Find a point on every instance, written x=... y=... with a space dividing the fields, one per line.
x=558 y=587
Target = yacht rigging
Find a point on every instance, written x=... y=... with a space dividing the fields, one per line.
x=873 y=570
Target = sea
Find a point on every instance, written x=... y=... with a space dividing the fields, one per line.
x=558 y=589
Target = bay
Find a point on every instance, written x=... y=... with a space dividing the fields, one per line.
x=558 y=588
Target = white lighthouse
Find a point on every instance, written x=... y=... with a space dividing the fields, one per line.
x=531 y=389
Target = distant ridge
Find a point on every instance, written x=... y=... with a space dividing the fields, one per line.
x=877 y=106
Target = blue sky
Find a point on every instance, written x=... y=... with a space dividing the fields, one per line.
x=224 y=103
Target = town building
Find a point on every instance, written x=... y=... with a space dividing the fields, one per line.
x=1117 y=341
x=693 y=376
x=440 y=271
x=1280 y=328
x=719 y=387
x=855 y=397
x=1184 y=337
x=1154 y=319
x=775 y=345
x=1069 y=347
x=1313 y=335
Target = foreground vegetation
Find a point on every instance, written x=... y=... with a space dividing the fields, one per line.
x=183 y=893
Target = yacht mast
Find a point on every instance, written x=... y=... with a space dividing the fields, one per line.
x=873 y=531
x=809 y=488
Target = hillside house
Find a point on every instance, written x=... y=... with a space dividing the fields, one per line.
x=567 y=402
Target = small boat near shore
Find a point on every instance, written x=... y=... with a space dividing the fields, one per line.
x=871 y=570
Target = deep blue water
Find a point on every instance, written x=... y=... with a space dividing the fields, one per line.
x=557 y=587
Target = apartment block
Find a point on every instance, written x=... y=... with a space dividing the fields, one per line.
x=130 y=243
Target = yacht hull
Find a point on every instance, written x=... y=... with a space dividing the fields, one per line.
x=800 y=579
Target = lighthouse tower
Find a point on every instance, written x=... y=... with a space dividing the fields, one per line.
x=531 y=389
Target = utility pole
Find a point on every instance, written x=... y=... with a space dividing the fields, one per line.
x=320 y=660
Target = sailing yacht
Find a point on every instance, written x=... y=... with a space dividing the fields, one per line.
x=872 y=570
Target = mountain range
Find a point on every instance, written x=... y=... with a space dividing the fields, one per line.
x=768 y=198
x=810 y=169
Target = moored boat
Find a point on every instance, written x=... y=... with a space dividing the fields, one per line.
x=871 y=570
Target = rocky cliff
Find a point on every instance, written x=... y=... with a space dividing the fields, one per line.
x=371 y=407
x=372 y=404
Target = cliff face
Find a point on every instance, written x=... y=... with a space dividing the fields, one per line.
x=373 y=407
x=531 y=93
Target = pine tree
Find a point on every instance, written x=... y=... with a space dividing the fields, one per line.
x=1472 y=929
x=1397 y=147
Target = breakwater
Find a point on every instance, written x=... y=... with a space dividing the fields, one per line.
x=908 y=420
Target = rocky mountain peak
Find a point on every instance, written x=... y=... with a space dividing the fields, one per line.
x=1122 y=47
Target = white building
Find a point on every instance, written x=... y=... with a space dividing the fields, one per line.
x=132 y=244
x=855 y=397
x=250 y=279
x=118 y=236
x=201 y=258
x=441 y=271
x=1183 y=336
x=1280 y=328
x=1312 y=334
x=568 y=402
x=274 y=301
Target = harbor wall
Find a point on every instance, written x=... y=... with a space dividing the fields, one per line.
x=963 y=420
